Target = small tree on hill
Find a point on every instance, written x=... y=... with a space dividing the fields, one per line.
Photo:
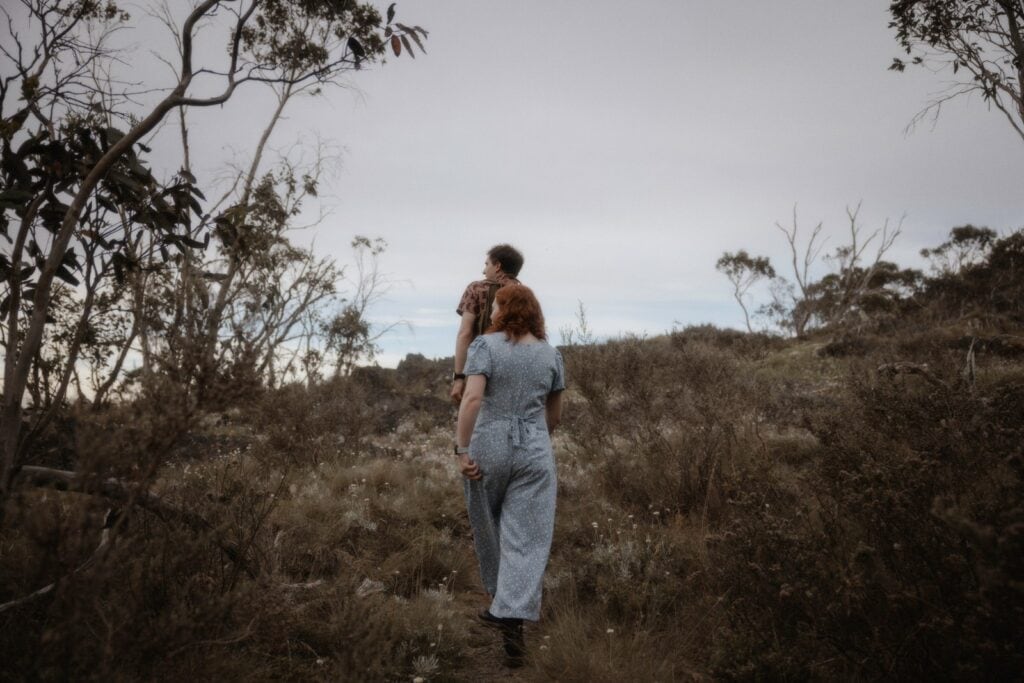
x=978 y=275
x=860 y=280
x=966 y=246
x=743 y=271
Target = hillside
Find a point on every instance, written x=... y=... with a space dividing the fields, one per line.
x=730 y=505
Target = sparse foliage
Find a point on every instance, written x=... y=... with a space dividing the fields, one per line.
x=579 y=333
x=860 y=283
x=743 y=271
x=966 y=246
x=981 y=42
x=80 y=205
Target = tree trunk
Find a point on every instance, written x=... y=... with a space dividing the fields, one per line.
x=15 y=382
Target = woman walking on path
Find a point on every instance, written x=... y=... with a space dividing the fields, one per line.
x=512 y=403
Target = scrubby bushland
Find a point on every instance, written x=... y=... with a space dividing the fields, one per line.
x=662 y=422
x=862 y=521
x=900 y=555
x=293 y=536
x=991 y=289
x=976 y=282
x=769 y=509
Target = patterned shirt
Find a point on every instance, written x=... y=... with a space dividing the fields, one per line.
x=474 y=299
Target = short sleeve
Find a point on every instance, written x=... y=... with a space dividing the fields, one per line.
x=469 y=301
x=558 y=381
x=478 y=359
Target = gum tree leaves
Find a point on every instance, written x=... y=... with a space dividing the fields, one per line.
x=980 y=41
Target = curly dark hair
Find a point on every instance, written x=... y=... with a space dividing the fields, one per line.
x=510 y=258
x=518 y=312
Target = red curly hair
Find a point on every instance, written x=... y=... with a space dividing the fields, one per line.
x=518 y=312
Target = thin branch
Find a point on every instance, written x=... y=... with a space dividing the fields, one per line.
x=115 y=489
x=45 y=590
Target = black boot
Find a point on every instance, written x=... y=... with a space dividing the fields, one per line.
x=511 y=636
x=515 y=645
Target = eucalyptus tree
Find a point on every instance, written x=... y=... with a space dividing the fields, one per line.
x=858 y=274
x=979 y=42
x=743 y=271
x=80 y=205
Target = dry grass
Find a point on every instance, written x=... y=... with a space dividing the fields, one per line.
x=729 y=507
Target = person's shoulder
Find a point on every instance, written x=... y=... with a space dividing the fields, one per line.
x=543 y=348
x=487 y=343
x=551 y=351
x=477 y=284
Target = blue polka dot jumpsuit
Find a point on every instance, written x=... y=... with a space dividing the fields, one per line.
x=512 y=508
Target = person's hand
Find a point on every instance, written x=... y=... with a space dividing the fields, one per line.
x=470 y=470
x=458 y=386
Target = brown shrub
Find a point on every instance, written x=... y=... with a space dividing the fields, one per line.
x=661 y=423
x=874 y=572
x=307 y=425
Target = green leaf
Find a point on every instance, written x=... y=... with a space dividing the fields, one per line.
x=106 y=203
x=70 y=258
x=408 y=46
x=14 y=199
x=416 y=39
x=126 y=181
x=65 y=275
x=194 y=243
x=357 y=48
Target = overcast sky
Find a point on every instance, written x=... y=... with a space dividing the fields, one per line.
x=624 y=146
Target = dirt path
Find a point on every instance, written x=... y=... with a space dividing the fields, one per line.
x=485 y=659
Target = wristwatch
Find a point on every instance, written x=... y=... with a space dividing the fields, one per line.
x=461 y=450
x=458 y=376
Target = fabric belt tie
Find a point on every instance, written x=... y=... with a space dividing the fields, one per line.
x=517 y=427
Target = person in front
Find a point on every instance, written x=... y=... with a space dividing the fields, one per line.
x=511 y=405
